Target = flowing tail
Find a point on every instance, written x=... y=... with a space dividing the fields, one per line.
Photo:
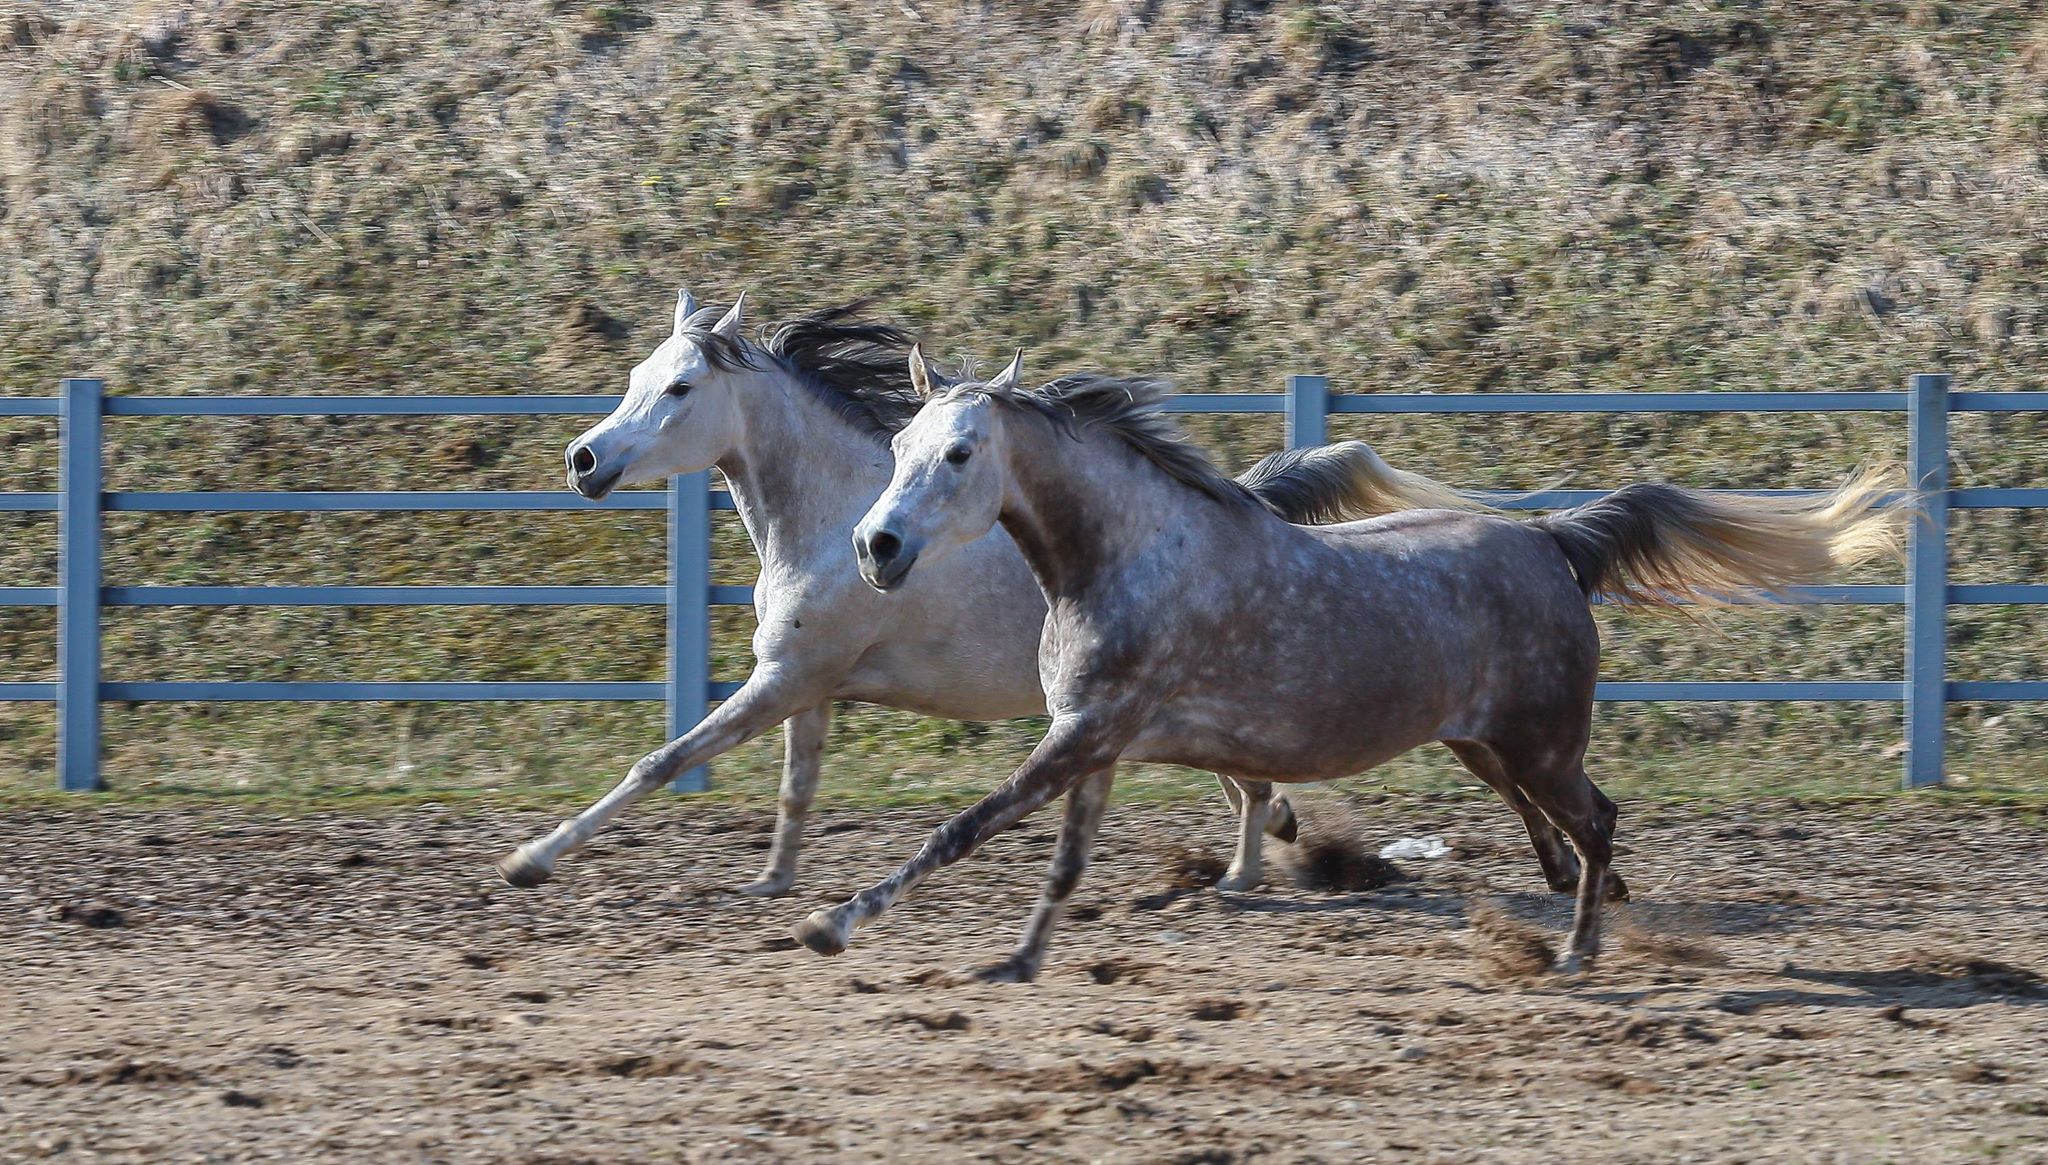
x=1345 y=482
x=1657 y=545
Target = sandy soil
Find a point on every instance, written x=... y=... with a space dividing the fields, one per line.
x=1792 y=983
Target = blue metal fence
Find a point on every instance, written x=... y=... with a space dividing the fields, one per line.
x=81 y=502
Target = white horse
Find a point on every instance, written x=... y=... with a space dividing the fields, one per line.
x=799 y=424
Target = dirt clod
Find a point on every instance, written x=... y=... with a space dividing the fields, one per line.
x=1507 y=946
x=1978 y=1072
x=1110 y=971
x=942 y=1021
x=92 y=915
x=643 y=1066
x=1668 y=948
x=1624 y=1083
x=1218 y=1010
x=130 y=1072
x=1328 y=858
x=1190 y=868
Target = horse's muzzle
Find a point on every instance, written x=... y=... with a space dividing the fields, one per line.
x=883 y=557
x=586 y=476
x=595 y=486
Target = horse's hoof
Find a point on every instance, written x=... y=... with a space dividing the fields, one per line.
x=1010 y=970
x=523 y=870
x=1240 y=881
x=822 y=933
x=1617 y=890
x=768 y=887
x=1571 y=965
x=1284 y=825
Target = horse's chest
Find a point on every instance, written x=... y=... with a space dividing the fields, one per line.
x=965 y=681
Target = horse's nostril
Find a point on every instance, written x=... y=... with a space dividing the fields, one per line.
x=883 y=546
x=582 y=460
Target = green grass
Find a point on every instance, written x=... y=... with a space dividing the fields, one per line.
x=372 y=198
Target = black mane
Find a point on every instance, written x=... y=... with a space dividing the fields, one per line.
x=1128 y=408
x=861 y=369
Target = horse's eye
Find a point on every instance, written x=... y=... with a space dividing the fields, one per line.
x=958 y=455
x=679 y=388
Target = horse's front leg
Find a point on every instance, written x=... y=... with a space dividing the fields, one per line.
x=762 y=702
x=803 y=745
x=1074 y=748
x=1069 y=859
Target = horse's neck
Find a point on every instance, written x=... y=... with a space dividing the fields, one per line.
x=1094 y=510
x=800 y=474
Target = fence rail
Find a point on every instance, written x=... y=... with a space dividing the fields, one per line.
x=81 y=502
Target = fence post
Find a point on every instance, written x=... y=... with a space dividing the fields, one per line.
x=79 y=483
x=1308 y=411
x=689 y=614
x=1927 y=586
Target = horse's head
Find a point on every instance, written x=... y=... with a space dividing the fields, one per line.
x=949 y=482
x=681 y=411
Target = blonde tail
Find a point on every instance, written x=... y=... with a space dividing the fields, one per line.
x=1345 y=482
x=1657 y=545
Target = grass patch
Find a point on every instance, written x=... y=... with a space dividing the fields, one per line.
x=371 y=198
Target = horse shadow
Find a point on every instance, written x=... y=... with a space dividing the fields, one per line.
x=1399 y=896
x=1969 y=983
x=1536 y=906
x=1960 y=983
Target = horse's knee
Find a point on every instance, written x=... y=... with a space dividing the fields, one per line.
x=1605 y=813
x=645 y=772
x=949 y=842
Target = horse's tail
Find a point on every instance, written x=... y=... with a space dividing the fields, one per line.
x=1657 y=545
x=1344 y=482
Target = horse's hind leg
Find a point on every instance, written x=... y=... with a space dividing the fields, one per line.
x=1553 y=852
x=1069 y=859
x=1281 y=821
x=1587 y=817
x=1253 y=801
x=803 y=745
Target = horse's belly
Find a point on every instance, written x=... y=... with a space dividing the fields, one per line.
x=1247 y=743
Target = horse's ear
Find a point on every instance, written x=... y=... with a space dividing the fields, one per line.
x=1008 y=377
x=920 y=376
x=728 y=325
x=686 y=306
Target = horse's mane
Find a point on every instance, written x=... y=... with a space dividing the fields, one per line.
x=1128 y=408
x=860 y=369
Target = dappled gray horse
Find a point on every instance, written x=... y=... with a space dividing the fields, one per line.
x=1189 y=625
x=799 y=425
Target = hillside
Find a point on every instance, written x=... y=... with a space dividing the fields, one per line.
x=1475 y=196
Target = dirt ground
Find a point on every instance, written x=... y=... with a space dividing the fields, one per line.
x=1792 y=983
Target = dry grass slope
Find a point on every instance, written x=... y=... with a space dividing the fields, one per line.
x=382 y=197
